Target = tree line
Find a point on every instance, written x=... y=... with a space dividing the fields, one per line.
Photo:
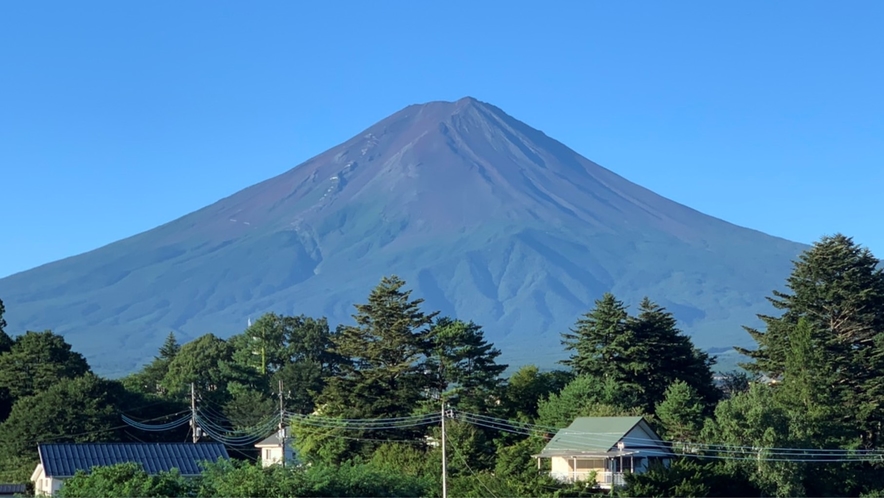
x=813 y=381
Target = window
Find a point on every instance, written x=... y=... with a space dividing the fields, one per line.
x=267 y=454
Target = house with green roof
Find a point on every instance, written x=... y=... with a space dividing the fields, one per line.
x=604 y=449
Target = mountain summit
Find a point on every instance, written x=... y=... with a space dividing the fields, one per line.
x=485 y=217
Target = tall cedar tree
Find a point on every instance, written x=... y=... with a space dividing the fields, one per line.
x=383 y=375
x=150 y=379
x=600 y=340
x=645 y=353
x=661 y=354
x=837 y=286
x=465 y=362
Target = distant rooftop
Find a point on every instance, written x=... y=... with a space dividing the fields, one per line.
x=64 y=460
x=13 y=489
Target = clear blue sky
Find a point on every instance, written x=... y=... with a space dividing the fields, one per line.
x=119 y=116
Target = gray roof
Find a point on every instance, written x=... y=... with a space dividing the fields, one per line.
x=273 y=439
x=65 y=459
x=598 y=436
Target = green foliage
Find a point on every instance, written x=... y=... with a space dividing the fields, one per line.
x=384 y=376
x=72 y=410
x=736 y=382
x=5 y=340
x=247 y=408
x=662 y=354
x=837 y=286
x=644 y=354
x=468 y=373
x=587 y=396
x=124 y=480
x=600 y=340
x=687 y=477
x=6 y=343
x=409 y=459
x=36 y=361
x=206 y=362
x=681 y=413
x=347 y=480
x=527 y=386
x=150 y=379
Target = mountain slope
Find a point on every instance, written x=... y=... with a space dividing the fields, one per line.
x=485 y=217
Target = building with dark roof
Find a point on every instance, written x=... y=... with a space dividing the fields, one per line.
x=62 y=460
x=13 y=489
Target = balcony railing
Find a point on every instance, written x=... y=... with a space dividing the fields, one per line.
x=605 y=479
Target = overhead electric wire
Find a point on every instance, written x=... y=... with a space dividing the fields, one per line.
x=597 y=435
x=158 y=427
x=365 y=424
x=730 y=452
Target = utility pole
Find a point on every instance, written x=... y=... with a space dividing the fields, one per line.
x=193 y=425
x=444 y=468
x=282 y=433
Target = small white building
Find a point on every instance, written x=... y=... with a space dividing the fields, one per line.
x=61 y=461
x=272 y=449
x=607 y=447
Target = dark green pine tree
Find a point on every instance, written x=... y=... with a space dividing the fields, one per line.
x=5 y=345
x=661 y=354
x=465 y=362
x=5 y=340
x=599 y=340
x=383 y=375
x=838 y=287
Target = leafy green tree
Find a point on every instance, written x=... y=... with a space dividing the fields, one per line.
x=587 y=396
x=681 y=414
x=527 y=386
x=292 y=349
x=384 y=376
x=755 y=419
x=71 y=410
x=124 y=480
x=467 y=372
x=226 y=478
x=688 y=477
x=206 y=362
x=38 y=360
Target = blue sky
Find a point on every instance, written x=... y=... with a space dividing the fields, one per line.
x=119 y=116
